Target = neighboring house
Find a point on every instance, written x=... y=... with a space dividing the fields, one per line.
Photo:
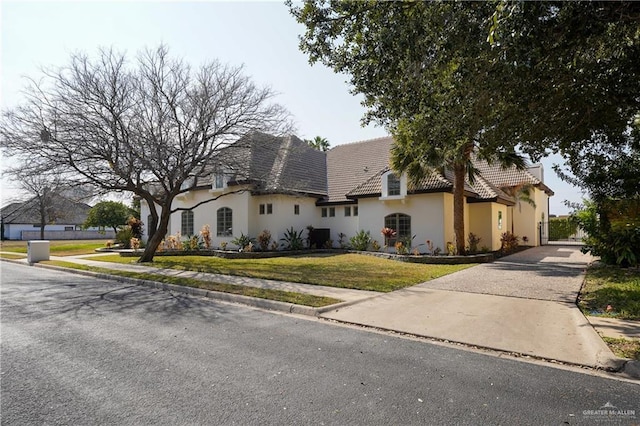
x=21 y=221
x=278 y=183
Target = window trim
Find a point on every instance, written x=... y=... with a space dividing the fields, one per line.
x=402 y=179
x=228 y=228
x=397 y=216
x=186 y=217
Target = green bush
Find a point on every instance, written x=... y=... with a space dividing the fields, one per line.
x=361 y=240
x=292 y=240
x=123 y=237
x=616 y=241
x=243 y=241
x=473 y=241
x=561 y=228
x=509 y=242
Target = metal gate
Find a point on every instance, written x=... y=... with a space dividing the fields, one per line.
x=543 y=233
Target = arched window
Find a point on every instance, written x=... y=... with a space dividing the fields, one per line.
x=186 y=228
x=399 y=222
x=224 y=222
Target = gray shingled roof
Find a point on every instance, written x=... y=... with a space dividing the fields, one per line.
x=65 y=211
x=347 y=179
x=500 y=177
x=276 y=164
x=353 y=164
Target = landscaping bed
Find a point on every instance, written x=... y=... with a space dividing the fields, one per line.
x=229 y=254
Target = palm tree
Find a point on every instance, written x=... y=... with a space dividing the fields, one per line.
x=419 y=155
x=319 y=143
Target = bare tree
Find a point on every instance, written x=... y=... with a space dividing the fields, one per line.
x=47 y=198
x=151 y=129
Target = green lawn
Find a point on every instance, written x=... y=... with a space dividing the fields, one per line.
x=57 y=248
x=279 y=295
x=335 y=270
x=614 y=286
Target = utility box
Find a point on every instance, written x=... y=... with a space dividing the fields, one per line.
x=37 y=251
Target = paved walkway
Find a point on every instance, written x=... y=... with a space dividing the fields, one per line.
x=524 y=303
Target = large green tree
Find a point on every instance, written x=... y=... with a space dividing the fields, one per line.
x=112 y=214
x=426 y=73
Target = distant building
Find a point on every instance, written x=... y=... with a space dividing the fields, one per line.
x=21 y=221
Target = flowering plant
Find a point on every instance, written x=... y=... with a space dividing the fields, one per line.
x=388 y=232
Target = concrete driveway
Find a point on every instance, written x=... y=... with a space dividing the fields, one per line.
x=523 y=303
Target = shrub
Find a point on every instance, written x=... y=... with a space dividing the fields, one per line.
x=243 y=241
x=613 y=231
x=375 y=245
x=328 y=244
x=136 y=227
x=473 y=240
x=123 y=237
x=264 y=239
x=361 y=240
x=401 y=248
x=451 y=248
x=292 y=240
x=509 y=242
x=223 y=245
x=194 y=243
x=341 y=240
x=134 y=243
x=205 y=233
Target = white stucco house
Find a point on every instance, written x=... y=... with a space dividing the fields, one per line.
x=276 y=183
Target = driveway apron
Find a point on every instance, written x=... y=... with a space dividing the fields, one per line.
x=524 y=303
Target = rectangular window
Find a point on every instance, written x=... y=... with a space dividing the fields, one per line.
x=355 y=210
x=269 y=208
x=499 y=219
x=261 y=208
x=186 y=228
x=324 y=212
x=347 y=211
x=219 y=183
x=296 y=209
x=393 y=185
x=332 y=212
x=68 y=228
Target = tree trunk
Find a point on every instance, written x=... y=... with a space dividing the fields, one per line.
x=458 y=206
x=154 y=241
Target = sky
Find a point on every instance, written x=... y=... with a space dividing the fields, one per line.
x=261 y=36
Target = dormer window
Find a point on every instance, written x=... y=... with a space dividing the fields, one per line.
x=393 y=186
x=218 y=182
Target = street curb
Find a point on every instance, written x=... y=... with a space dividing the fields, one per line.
x=273 y=305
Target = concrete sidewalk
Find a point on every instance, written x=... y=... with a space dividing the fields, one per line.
x=523 y=303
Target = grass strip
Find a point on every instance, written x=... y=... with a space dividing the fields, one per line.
x=624 y=348
x=614 y=287
x=350 y=270
x=12 y=256
x=57 y=248
x=262 y=293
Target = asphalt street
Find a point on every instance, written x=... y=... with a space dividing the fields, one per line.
x=77 y=350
